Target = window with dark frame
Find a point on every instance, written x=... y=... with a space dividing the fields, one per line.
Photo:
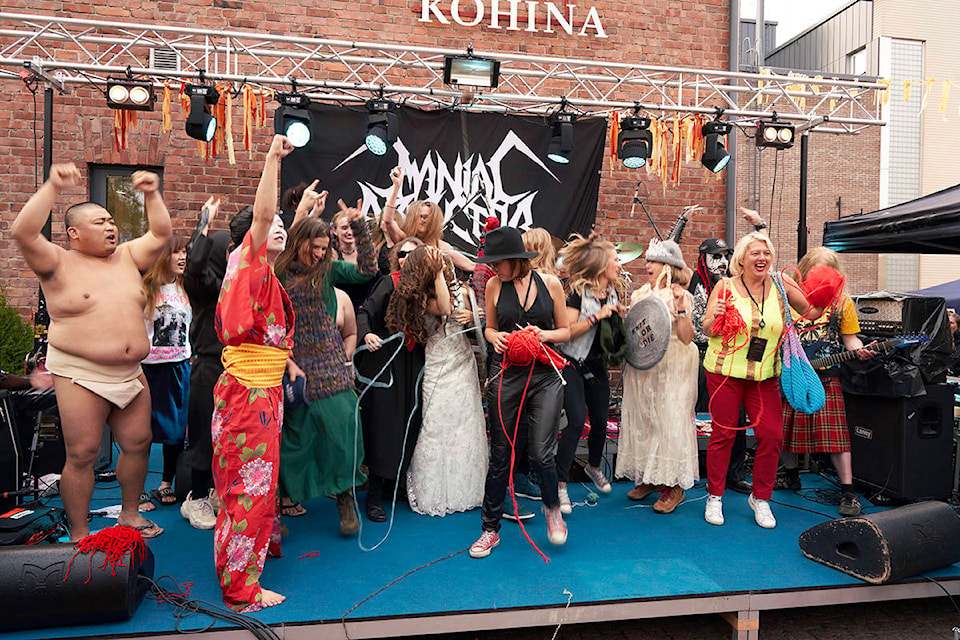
x=111 y=186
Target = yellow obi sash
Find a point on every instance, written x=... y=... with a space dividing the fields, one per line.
x=255 y=366
x=718 y=360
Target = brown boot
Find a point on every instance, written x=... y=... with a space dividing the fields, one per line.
x=641 y=491
x=669 y=500
x=349 y=524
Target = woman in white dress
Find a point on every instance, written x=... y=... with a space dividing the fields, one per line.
x=449 y=465
x=658 y=438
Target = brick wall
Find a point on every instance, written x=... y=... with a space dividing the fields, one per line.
x=691 y=33
x=839 y=167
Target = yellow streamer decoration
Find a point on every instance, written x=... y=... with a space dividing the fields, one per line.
x=228 y=127
x=944 y=98
x=907 y=84
x=926 y=94
x=165 y=110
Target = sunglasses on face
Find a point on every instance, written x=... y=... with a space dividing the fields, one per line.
x=403 y=253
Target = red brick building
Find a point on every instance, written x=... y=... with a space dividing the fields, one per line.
x=679 y=33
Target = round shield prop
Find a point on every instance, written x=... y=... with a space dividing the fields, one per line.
x=647 y=328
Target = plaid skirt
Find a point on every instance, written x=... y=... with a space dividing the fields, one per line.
x=822 y=432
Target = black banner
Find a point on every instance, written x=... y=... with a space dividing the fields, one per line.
x=462 y=161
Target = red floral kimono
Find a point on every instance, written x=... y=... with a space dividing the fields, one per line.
x=253 y=312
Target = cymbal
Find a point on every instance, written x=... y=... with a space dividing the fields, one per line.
x=628 y=251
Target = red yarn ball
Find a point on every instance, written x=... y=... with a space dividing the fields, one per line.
x=823 y=286
x=522 y=348
x=491 y=224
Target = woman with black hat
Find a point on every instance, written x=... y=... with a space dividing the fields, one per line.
x=519 y=298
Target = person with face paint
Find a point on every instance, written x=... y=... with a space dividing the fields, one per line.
x=255 y=322
x=317 y=446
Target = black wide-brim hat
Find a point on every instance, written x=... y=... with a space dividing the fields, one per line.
x=504 y=243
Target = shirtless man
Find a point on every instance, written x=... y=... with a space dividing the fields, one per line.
x=97 y=336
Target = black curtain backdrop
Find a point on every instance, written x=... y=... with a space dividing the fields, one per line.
x=462 y=161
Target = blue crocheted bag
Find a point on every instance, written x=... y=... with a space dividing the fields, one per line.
x=799 y=383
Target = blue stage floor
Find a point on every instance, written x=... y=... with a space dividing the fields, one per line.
x=617 y=552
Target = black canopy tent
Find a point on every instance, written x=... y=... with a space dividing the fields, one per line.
x=930 y=224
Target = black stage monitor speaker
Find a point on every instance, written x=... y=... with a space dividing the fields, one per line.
x=903 y=447
x=889 y=545
x=37 y=591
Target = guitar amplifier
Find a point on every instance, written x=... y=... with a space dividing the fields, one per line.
x=885 y=315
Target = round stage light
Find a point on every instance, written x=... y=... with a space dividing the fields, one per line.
x=139 y=95
x=785 y=135
x=119 y=93
x=770 y=134
x=298 y=133
x=376 y=140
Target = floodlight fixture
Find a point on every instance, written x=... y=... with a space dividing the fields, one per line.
x=134 y=95
x=775 y=134
x=561 y=140
x=715 y=156
x=292 y=118
x=634 y=141
x=471 y=71
x=383 y=125
x=201 y=125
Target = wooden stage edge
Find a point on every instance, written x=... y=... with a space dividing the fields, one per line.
x=741 y=609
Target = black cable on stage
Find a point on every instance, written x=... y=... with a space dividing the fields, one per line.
x=944 y=589
x=184 y=607
x=343 y=618
x=793 y=506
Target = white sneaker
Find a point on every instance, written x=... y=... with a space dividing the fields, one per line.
x=762 y=513
x=198 y=512
x=556 y=529
x=565 y=507
x=714 y=511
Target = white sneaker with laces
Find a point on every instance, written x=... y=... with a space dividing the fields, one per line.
x=714 y=510
x=762 y=513
x=556 y=529
x=485 y=544
x=214 y=500
x=198 y=512
x=565 y=506
x=598 y=479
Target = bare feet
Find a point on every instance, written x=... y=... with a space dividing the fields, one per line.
x=270 y=598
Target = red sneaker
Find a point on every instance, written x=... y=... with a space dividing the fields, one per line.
x=485 y=544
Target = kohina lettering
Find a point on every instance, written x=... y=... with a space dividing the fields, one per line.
x=515 y=15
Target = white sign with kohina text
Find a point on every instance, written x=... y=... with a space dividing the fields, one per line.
x=516 y=15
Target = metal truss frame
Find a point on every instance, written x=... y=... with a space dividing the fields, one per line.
x=71 y=51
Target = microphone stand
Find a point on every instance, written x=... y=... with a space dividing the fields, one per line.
x=633 y=207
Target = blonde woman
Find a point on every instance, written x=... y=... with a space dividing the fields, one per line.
x=423 y=219
x=658 y=438
x=747 y=376
x=594 y=295
x=540 y=240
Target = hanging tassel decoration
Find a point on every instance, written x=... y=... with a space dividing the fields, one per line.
x=166 y=117
x=228 y=128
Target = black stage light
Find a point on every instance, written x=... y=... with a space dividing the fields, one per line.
x=135 y=95
x=561 y=142
x=292 y=118
x=383 y=126
x=200 y=124
x=775 y=134
x=715 y=156
x=634 y=141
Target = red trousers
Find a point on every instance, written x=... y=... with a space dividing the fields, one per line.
x=763 y=404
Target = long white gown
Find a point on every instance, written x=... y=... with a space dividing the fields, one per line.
x=449 y=465
x=658 y=434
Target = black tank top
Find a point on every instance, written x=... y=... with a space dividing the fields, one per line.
x=510 y=312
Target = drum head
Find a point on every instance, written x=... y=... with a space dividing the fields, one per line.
x=647 y=328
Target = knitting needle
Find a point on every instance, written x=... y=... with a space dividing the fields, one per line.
x=549 y=359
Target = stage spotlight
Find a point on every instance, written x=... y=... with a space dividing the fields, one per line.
x=561 y=143
x=383 y=126
x=634 y=141
x=715 y=156
x=135 y=95
x=200 y=124
x=470 y=71
x=775 y=134
x=292 y=118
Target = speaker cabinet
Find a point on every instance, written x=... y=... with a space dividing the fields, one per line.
x=903 y=447
x=889 y=545
x=37 y=590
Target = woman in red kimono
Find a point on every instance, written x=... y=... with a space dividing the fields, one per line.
x=255 y=322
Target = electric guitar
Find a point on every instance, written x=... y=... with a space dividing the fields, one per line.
x=887 y=345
